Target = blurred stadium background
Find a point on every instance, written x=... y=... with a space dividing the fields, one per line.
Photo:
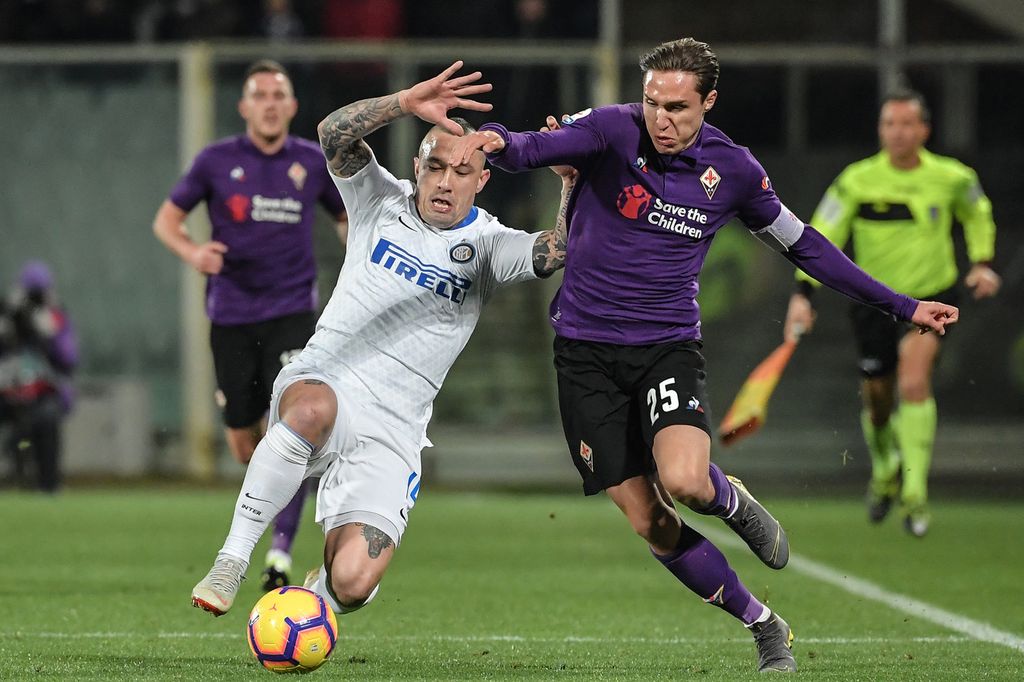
x=104 y=102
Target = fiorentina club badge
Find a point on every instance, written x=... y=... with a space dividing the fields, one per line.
x=710 y=179
x=297 y=174
x=587 y=455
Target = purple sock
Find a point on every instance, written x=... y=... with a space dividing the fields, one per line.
x=287 y=522
x=700 y=566
x=725 y=498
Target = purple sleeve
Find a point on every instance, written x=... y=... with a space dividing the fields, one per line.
x=819 y=258
x=760 y=205
x=573 y=144
x=193 y=186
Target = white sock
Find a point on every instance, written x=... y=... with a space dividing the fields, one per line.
x=274 y=475
x=765 y=612
x=320 y=587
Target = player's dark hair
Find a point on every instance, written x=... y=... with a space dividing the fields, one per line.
x=265 y=66
x=908 y=95
x=685 y=54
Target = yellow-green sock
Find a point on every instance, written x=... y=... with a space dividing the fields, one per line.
x=917 y=436
x=881 y=442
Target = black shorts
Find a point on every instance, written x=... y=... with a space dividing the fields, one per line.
x=614 y=399
x=247 y=358
x=878 y=335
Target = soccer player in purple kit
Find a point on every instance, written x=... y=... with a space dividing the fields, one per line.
x=260 y=189
x=656 y=183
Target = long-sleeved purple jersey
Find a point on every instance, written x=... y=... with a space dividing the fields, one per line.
x=262 y=206
x=641 y=224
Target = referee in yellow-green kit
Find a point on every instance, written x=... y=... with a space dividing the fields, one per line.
x=898 y=208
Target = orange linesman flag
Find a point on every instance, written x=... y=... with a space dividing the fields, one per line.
x=748 y=411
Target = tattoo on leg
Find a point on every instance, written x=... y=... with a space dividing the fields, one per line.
x=377 y=540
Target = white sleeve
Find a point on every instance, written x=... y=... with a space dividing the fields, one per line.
x=509 y=255
x=367 y=191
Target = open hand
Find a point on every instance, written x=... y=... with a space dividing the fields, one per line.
x=431 y=100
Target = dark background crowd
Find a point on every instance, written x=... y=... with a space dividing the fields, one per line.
x=176 y=20
x=23 y=21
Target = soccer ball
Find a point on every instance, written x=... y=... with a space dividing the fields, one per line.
x=291 y=629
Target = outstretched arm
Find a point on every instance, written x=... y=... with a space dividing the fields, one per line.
x=342 y=132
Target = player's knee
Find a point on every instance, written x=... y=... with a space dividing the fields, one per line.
x=242 y=443
x=690 y=488
x=914 y=390
x=312 y=416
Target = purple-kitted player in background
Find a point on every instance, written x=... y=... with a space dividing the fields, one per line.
x=656 y=183
x=260 y=189
x=38 y=352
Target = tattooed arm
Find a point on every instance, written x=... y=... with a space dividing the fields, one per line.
x=342 y=132
x=549 y=248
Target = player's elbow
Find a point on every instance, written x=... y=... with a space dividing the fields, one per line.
x=169 y=221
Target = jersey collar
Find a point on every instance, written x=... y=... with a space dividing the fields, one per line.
x=470 y=217
x=250 y=146
x=690 y=156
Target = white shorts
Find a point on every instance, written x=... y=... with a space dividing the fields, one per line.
x=368 y=472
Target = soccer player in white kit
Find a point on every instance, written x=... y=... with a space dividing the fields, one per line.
x=353 y=406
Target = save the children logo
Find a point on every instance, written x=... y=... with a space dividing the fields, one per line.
x=635 y=202
x=238 y=204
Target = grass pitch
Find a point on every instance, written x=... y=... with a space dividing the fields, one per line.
x=94 y=585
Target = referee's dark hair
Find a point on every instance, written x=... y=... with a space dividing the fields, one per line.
x=908 y=95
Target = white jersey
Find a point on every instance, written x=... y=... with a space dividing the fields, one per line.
x=408 y=298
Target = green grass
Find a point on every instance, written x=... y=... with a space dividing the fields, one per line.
x=95 y=585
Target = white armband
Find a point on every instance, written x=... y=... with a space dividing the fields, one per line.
x=783 y=232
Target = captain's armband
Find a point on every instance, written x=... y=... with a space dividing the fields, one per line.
x=784 y=231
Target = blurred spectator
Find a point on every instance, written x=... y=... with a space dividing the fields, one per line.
x=181 y=20
x=66 y=20
x=381 y=19
x=280 y=23
x=38 y=351
x=364 y=20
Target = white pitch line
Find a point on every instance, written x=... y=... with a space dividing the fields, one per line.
x=973 y=629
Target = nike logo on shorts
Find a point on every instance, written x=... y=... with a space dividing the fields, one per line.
x=258 y=499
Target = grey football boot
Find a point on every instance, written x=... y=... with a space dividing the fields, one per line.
x=774 y=640
x=759 y=529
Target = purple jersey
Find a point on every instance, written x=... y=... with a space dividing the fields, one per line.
x=262 y=206
x=641 y=224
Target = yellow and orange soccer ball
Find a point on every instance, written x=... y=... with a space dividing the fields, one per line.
x=291 y=630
